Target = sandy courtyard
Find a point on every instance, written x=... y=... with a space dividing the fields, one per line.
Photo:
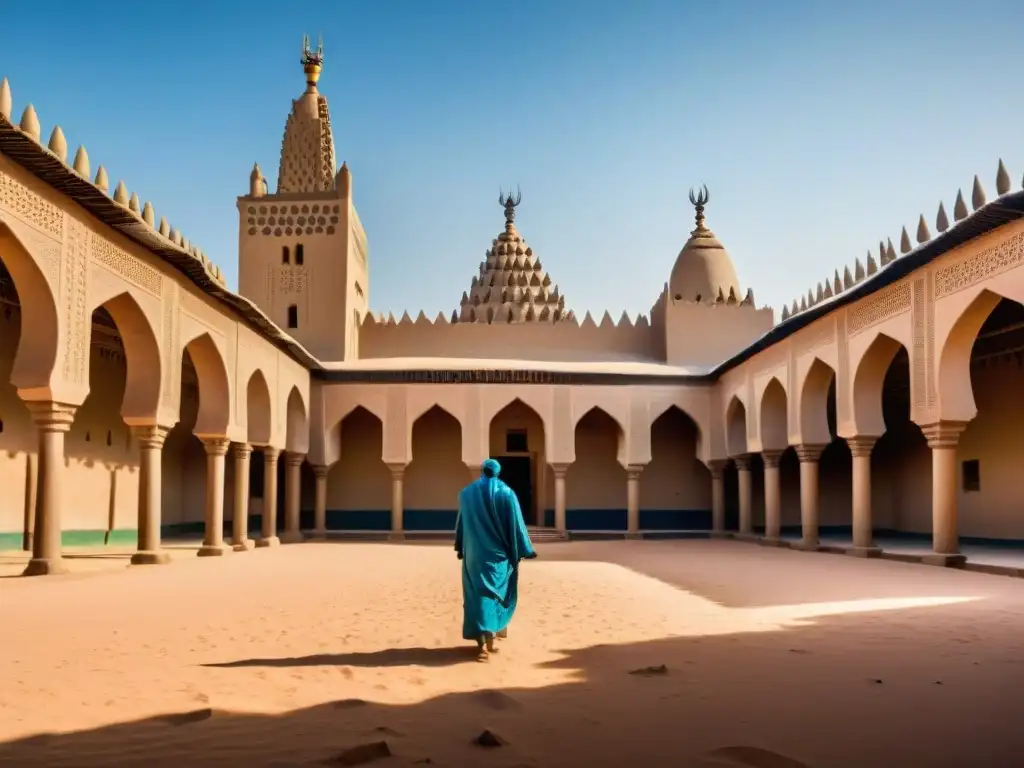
x=291 y=656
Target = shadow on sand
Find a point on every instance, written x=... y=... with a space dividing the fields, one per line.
x=392 y=657
x=839 y=691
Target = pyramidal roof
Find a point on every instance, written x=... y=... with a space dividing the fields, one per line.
x=512 y=286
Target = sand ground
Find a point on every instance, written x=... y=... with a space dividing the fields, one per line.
x=291 y=656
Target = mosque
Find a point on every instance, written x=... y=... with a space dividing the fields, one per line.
x=142 y=399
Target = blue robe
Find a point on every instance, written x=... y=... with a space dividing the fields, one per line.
x=490 y=539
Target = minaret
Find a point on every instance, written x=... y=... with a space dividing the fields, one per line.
x=302 y=250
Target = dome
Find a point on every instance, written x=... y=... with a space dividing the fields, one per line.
x=703 y=270
x=512 y=286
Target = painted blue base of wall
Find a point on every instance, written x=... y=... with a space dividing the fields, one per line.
x=444 y=520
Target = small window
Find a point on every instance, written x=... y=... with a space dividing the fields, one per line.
x=299 y=254
x=285 y=256
x=515 y=441
x=293 y=316
x=972 y=475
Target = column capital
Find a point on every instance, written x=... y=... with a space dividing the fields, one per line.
x=809 y=454
x=397 y=470
x=561 y=469
x=150 y=435
x=241 y=450
x=320 y=470
x=943 y=434
x=771 y=458
x=861 y=445
x=633 y=471
x=216 y=446
x=742 y=462
x=270 y=454
x=294 y=459
x=717 y=468
x=50 y=416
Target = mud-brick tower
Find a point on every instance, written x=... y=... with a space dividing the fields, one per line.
x=302 y=255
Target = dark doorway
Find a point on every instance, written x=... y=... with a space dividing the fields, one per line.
x=517 y=472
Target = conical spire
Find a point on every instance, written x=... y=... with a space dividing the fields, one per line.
x=307 y=150
x=6 y=103
x=511 y=286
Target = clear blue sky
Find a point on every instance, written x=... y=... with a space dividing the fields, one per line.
x=819 y=127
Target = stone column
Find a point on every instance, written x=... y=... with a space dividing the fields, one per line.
x=560 y=470
x=292 y=497
x=53 y=420
x=213 y=541
x=633 y=501
x=320 y=503
x=809 y=456
x=772 y=498
x=863 y=533
x=397 y=508
x=268 y=525
x=151 y=444
x=746 y=496
x=240 y=541
x=717 y=467
x=943 y=438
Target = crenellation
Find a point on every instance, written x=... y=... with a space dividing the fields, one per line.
x=905 y=246
x=30 y=123
x=101 y=181
x=121 y=194
x=1003 y=183
x=923 y=235
x=81 y=164
x=959 y=207
x=5 y=99
x=58 y=145
x=978 y=194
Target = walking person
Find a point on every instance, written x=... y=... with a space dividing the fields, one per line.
x=490 y=539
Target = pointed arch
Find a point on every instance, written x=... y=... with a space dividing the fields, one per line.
x=297 y=427
x=36 y=355
x=436 y=473
x=596 y=480
x=954 y=374
x=774 y=422
x=736 y=427
x=868 y=379
x=597 y=415
x=259 y=416
x=814 y=396
x=214 y=389
x=143 y=365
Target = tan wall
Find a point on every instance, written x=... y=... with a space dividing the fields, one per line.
x=317 y=288
x=596 y=480
x=729 y=329
x=524 y=341
x=360 y=480
x=436 y=473
x=675 y=478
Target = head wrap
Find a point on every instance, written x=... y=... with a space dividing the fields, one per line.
x=491 y=466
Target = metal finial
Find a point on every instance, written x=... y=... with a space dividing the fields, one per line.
x=698 y=201
x=509 y=203
x=311 y=57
